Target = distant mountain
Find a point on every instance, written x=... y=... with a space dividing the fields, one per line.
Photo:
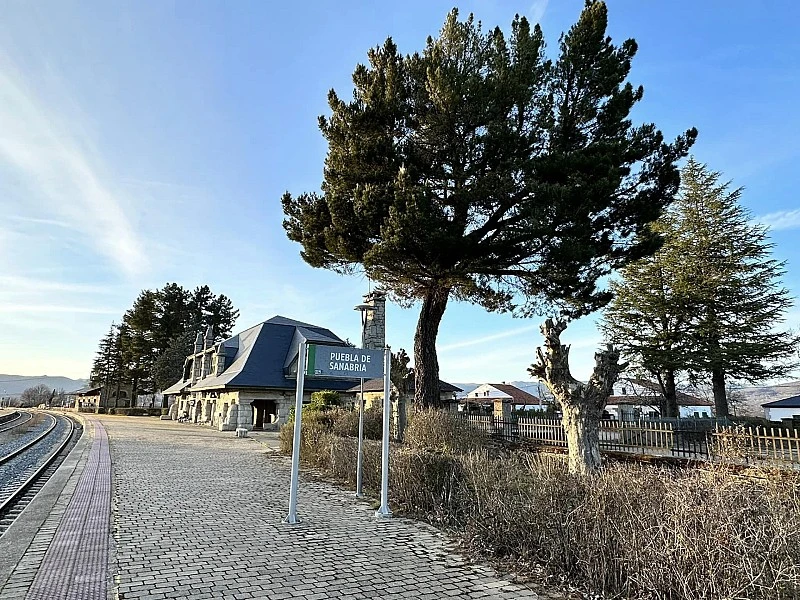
x=532 y=387
x=754 y=397
x=14 y=385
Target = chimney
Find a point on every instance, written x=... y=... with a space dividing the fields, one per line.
x=375 y=320
x=198 y=343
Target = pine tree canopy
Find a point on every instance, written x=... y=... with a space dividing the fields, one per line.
x=710 y=302
x=481 y=169
x=158 y=323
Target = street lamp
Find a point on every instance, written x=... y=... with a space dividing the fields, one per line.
x=362 y=308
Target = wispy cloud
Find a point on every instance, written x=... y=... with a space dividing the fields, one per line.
x=35 y=221
x=782 y=219
x=62 y=178
x=479 y=341
x=56 y=308
x=15 y=284
x=537 y=9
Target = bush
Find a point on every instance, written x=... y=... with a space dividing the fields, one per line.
x=441 y=431
x=636 y=532
x=345 y=423
x=323 y=400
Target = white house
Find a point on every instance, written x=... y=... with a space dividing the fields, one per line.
x=493 y=395
x=634 y=399
x=782 y=409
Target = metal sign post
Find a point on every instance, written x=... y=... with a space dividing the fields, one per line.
x=292 y=518
x=360 y=459
x=383 y=512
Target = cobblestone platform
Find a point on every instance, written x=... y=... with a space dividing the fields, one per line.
x=197 y=514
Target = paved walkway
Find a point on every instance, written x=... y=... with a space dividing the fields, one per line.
x=197 y=514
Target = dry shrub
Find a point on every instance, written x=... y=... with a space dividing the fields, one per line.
x=441 y=431
x=638 y=531
x=634 y=532
x=345 y=423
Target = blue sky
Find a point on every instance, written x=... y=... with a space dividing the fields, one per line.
x=149 y=142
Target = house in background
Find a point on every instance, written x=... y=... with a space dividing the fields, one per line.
x=95 y=396
x=787 y=408
x=500 y=399
x=634 y=399
x=373 y=391
x=249 y=379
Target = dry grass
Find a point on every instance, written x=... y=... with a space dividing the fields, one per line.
x=634 y=532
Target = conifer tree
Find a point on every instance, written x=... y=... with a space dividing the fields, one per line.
x=710 y=301
x=480 y=170
x=735 y=284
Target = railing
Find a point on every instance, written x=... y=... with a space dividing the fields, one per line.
x=699 y=439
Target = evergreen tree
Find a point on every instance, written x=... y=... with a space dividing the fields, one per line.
x=736 y=289
x=169 y=364
x=710 y=301
x=156 y=326
x=482 y=171
x=651 y=315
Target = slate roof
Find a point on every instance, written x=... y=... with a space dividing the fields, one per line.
x=257 y=358
x=683 y=400
x=376 y=385
x=793 y=402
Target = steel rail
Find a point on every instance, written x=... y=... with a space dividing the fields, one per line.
x=28 y=482
x=33 y=442
x=11 y=423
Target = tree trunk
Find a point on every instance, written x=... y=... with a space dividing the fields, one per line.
x=426 y=363
x=720 y=397
x=582 y=426
x=581 y=404
x=670 y=395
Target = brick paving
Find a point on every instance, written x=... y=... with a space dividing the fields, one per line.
x=197 y=514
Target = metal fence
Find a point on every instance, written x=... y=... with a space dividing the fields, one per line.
x=699 y=439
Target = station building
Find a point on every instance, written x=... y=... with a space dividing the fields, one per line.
x=249 y=379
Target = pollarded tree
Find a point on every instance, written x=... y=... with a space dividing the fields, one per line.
x=482 y=171
x=581 y=403
x=736 y=289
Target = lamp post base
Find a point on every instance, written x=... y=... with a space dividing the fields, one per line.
x=291 y=520
x=383 y=513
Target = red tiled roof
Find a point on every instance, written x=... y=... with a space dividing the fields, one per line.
x=376 y=385
x=683 y=399
x=518 y=396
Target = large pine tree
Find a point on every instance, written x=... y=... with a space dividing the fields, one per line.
x=710 y=302
x=482 y=171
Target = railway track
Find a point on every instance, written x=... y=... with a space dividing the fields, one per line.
x=20 y=419
x=25 y=469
